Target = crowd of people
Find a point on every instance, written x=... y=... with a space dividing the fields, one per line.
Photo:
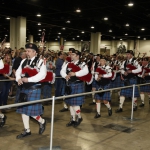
x=73 y=72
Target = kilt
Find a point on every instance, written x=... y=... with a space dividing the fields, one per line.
x=33 y=109
x=94 y=83
x=145 y=88
x=105 y=96
x=128 y=91
x=77 y=100
x=116 y=83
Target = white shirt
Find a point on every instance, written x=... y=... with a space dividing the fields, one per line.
x=38 y=77
x=84 y=70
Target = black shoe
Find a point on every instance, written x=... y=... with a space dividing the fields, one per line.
x=42 y=127
x=119 y=110
x=3 y=121
x=71 y=123
x=97 y=115
x=79 y=120
x=93 y=103
x=109 y=112
x=24 y=134
x=135 y=108
x=141 y=105
x=63 y=110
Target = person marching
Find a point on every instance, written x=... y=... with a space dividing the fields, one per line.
x=30 y=87
x=93 y=69
x=129 y=76
x=103 y=83
x=145 y=78
x=76 y=85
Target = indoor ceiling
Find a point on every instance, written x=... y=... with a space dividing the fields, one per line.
x=56 y=13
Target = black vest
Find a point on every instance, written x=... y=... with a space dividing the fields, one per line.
x=25 y=63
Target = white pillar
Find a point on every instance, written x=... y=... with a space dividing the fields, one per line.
x=95 y=42
x=21 y=32
x=13 y=37
x=30 y=38
x=113 y=48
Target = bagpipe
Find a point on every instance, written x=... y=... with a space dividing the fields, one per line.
x=88 y=78
x=101 y=71
x=33 y=71
x=5 y=69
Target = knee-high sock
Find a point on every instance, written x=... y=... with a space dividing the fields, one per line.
x=25 y=120
x=39 y=119
x=65 y=105
x=98 y=108
x=1 y=115
x=77 y=110
x=108 y=105
x=122 y=99
x=142 y=98
x=73 y=113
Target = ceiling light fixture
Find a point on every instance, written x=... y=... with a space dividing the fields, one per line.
x=40 y=30
x=64 y=28
x=82 y=32
x=142 y=29
x=110 y=30
x=78 y=10
x=81 y=40
x=126 y=34
x=39 y=24
x=65 y=40
x=73 y=38
x=6 y=35
x=8 y=18
x=56 y=39
x=144 y=38
x=59 y=33
x=127 y=25
x=38 y=15
x=78 y=36
x=68 y=21
x=92 y=27
x=130 y=4
x=105 y=18
x=120 y=39
x=39 y=34
x=138 y=37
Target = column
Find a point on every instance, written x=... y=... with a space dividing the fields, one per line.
x=21 y=32
x=113 y=48
x=61 y=43
x=30 y=38
x=13 y=39
x=95 y=42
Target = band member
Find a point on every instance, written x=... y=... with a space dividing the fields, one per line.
x=103 y=83
x=31 y=88
x=2 y=116
x=129 y=69
x=93 y=69
x=145 y=78
x=76 y=86
x=66 y=60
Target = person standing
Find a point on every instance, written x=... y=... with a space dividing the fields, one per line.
x=76 y=85
x=59 y=80
x=31 y=88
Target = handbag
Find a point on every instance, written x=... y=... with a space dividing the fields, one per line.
x=68 y=89
x=22 y=98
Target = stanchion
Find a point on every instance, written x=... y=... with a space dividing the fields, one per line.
x=132 y=102
x=51 y=131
